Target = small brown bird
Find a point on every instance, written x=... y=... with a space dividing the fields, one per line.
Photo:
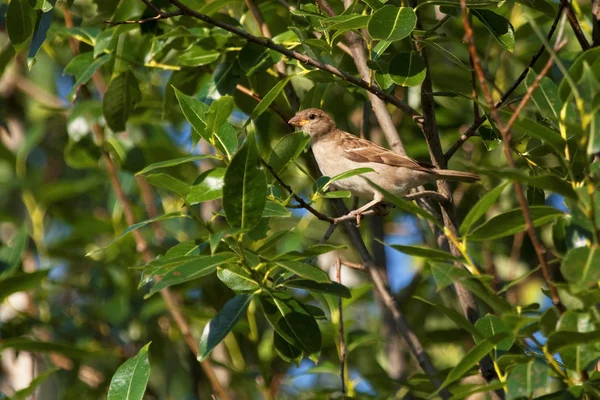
x=337 y=151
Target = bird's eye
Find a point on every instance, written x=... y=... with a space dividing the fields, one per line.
x=312 y=116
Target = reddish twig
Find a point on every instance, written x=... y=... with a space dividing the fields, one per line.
x=505 y=131
x=472 y=130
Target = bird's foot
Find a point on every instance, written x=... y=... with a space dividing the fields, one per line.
x=382 y=209
x=357 y=214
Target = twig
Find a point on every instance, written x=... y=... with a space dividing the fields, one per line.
x=328 y=233
x=338 y=270
x=416 y=117
x=428 y=194
x=575 y=25
x=477 y=123
x=388 y=300
x=505 y=131
x=162 y=15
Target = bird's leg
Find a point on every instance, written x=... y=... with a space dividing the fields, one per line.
x=378 y=197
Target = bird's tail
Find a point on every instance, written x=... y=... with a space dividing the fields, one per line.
x=451 y=175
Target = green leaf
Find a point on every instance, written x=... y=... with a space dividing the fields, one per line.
x=215 y=238
x=121 y=96
x=20 y=20
x=173 y=162
x=195 y=112
x=472 y=358
x=455 y=316
x=218 y=327
x=130 y=380
x=237 y=278
x=336 y=194
x=545 y=96
x=197 y=56
x=175 y=214
x=405 y=205
x=576 y=340
x=34 y=346
x=348 y=174
x=268 y=99
x=581 y=266
x=540 y=5
x=245 y=188
x=273 y=209
x=218 y=113
x=464 y=391
x=287 y=149
x=491 y=325
x=292 y=321
x=226 y=139
x=11 y=255
x=39 y=35
x=527 y=126
x=407 y=69
x=511 y=222
x=21 y=282
x=333 y=288
x=200 y=266
x=286 y=351
x=480 y=208
x=423 y=252
x=208 y=186
x=82 y=67
x=27 y=392
x=500 y=27
x=392 y=23
x=304 y=270
x=168 y=182
x=524 y=379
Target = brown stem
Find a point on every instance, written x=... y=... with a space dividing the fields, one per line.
x=505 y=131
x=478 y=122
x=417 y=118
x=575 y=25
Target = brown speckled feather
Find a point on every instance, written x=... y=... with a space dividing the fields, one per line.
x=363 y=151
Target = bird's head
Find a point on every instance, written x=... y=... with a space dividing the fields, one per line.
x=313 y=121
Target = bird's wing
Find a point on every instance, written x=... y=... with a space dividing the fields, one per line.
x=363 y=151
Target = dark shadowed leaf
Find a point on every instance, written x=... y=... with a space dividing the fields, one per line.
x=39 y=36
x=500 y=27
x=245 y=188
x=292 y=321
x=287 y=149
x=130 y=380
x=21 y=282
x=545 y=96
x=11 y=254
x=392 y=23
x=218 y=327
x=286 y=351
x=407 y=69
x=20 y=21
x=455 y=316
x=327 y=287
x=422 y=251
x=121 y=96
x=268 y=99
x=82 y=67
x=34 y=346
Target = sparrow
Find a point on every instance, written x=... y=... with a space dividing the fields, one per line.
x=337 y=151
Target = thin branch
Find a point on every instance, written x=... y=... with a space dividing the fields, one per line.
x=575 y=25
x=416 y=117
x=428 y=194
x=388 y=300
x=472 y=130
x=338 y=270
x=162 y=15
x=505 y=131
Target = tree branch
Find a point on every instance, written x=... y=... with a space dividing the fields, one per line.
x=478 y=122
x=506 y=133
x=416 y=117
x=575 y=25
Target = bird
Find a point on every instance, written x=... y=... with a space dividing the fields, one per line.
x=337 y=152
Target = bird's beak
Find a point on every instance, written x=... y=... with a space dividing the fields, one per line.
x=297 y=121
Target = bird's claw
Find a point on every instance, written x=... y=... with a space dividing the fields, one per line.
x=357 y=214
